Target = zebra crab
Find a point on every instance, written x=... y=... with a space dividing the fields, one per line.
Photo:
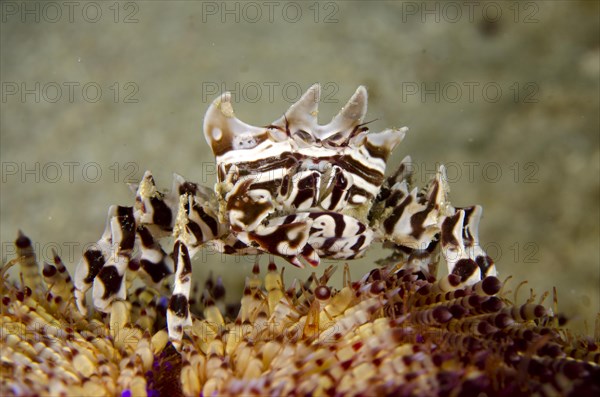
x=294 y=189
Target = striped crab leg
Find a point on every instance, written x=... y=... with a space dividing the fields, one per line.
x=178 y=311
x=460 y=246
x=106 y=260
x=418 y=221
x=104 y=264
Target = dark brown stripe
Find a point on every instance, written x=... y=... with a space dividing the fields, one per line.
x=208 y=220
x=376 y=151
x=239 y=245
x=22 y=241
x=229 y=250
x=466 y=232
x=111 y=280
x=359 y=243
x=484 y=263
x=220 y=174
x=307 y=188
x=178 y=304
x=394 y=198
x=464 y=268
x=435 y=187
x=353 y=166
x=396 y=214
x=361 y=228
x=156 y=271
x=447 y=227
x=289 y=219
x=269 y=242
x=339 y=187
x=175 y=253
x=124 y=211
x=95 y=261
x=329 y=242
x=391 y=181
x=195 y=229
x=285 y=185
x=127 y=225
x=161 y=213
x=340 y=223
x=49 y=270
x=338 y=220
x=188 y=188
x=355 y=190
x=187 y=262
x=284 y=160
x=145 y=237
x=416 y=222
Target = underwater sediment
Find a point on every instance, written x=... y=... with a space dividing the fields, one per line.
x=393 y=332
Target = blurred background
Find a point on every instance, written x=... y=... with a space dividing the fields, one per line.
x=506 y=94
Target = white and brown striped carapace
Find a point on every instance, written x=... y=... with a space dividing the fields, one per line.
x=294 y=189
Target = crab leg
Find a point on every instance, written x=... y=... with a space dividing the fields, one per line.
x=118 y=239
x=178 y=312
x=460 y=246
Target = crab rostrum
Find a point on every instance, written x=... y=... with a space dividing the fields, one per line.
x=294 y=189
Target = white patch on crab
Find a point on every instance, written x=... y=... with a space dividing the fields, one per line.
x=263 y=150
x=217 y=134
x=235 y=218
x=318 y=152
x=358 y=199
x=324 y=226
x=152 y=255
